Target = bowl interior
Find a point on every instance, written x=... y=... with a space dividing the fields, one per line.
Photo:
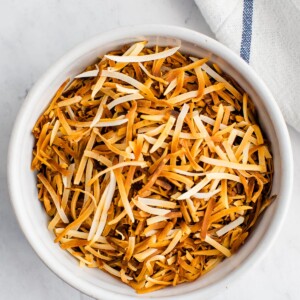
x=31 y=214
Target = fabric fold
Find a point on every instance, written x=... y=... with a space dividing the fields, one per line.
x=266 y=34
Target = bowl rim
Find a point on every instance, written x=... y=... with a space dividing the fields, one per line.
x=218 y=49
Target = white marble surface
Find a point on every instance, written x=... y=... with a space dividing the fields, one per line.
x=33 y=35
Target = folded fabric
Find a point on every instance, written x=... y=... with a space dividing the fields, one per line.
x=266 y=34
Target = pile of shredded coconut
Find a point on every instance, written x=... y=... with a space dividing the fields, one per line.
x=151 y=166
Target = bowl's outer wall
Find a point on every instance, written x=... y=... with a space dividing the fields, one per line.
x=22 y=181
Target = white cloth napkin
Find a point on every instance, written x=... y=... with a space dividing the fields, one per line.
x=265 y=33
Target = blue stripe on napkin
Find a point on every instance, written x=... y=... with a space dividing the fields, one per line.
x=247 y=30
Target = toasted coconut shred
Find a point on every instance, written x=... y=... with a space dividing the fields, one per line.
x=151 y=166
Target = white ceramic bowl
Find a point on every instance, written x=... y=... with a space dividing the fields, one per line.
x=22 y=181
